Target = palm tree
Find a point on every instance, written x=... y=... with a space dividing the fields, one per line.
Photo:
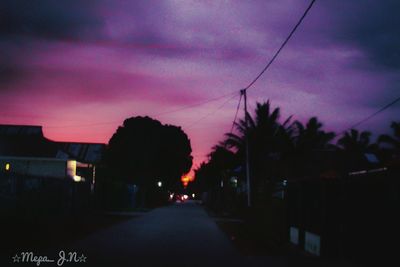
x=309 y=141
x=312 y=137
x=262 y=130
x=268 y=141
x=392 y=141
x=355 y=142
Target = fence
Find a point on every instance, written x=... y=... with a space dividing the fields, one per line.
x=32 y=196
x=349 y=217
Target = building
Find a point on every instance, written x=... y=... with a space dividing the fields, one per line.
x=25 y=150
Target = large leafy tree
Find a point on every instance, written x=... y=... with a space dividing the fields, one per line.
x=209 y=174
x=143 y=151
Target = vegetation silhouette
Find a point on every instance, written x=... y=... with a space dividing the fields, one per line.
x=286 y=149
x=392 y=141
x=143 y=151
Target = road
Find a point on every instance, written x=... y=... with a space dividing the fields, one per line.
x=181 y=235
x=177 y=235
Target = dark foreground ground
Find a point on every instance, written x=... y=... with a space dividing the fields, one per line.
x=182 y=234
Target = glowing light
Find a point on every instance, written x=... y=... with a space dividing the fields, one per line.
x=8 y=166
x=193 y=195
x=77 y=178
x=185 y=179
x=159 y=184
x=171 y=196
x=234 y=181
x=71 y=168
x=185 y=197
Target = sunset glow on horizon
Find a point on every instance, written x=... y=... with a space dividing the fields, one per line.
x=186 y=179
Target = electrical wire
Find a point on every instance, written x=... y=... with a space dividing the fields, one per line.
x=211 y=113
x=212 y=99
x=282 y=45
x=371 y=116
x=157 y=114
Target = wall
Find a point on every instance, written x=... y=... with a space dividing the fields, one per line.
x=36 y=198
x=44 y=167
x=351 y=217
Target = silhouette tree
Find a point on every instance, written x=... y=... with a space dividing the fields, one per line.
x=174 y=156
x=312 y=137
x=143 y=151
x=309 y=142
x=269 y=141
x=392 y=141
x=208 y=175
x=263 y=130
x=355 y=142
x=354 y=145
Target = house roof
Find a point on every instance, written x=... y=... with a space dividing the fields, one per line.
x=20 y=130
x=28 y=141
x=25 y=141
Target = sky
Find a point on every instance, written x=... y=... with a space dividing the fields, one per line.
x=79 y=68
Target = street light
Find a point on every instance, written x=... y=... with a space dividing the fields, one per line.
x=159 y=184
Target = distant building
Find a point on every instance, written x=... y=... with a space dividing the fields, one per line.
x=41 y=167
x=25 y=150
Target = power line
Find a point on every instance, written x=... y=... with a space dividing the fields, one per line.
x=217 y=98
x=211 y=113
x=212 y=99
x=282 y=45
x=262 y=72
x=196 y=104
x=273 y=58
x=244 y=91
x=372 y=115
x=236 y=113
x=158 y=114
x=271 y=61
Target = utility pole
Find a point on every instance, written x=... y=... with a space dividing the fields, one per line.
x=244 y=93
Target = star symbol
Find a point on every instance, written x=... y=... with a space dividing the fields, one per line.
x=16 y=258
x=82 y=258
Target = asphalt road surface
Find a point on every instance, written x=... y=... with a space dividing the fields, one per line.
x=181 y=235
x=177 y=235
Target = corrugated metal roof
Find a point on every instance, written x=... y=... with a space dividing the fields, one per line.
x=83 y=152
